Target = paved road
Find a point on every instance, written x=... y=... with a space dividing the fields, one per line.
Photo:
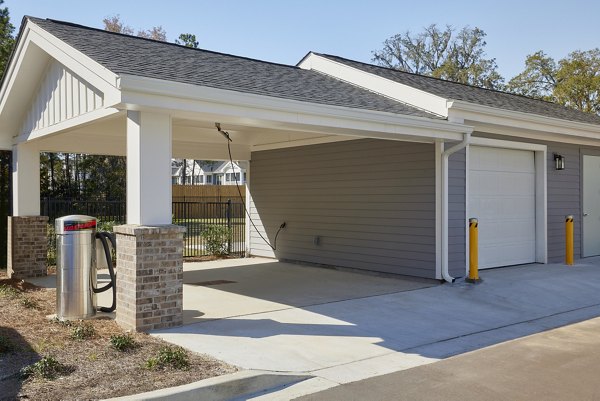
x=560 y=364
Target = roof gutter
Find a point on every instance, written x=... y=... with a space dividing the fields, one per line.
x=445 y=156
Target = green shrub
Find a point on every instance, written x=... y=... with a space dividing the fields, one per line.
x=83 y=331
x=123 y=342
x=173 y=357
x=217 y=239
x=46 y=368
x=6 y=345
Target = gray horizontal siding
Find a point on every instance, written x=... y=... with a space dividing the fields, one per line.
x=371 y=202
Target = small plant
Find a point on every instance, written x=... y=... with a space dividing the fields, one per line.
x=217 y=239
x=65 y=323
x=174 y=357
x=123 y=342
x=46 y=368
x=6 y=346
x=29 y=303
x=83 y=331
x=8 y=291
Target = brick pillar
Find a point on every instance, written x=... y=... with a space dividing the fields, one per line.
x=149 y=276
x=27 y=246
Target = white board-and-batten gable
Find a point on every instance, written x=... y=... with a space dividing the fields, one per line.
x=61 y=95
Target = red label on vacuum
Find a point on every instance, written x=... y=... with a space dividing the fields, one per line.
x=74 y=226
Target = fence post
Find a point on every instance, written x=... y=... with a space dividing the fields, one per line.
x=229 y=226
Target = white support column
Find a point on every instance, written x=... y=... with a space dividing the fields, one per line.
x=149 y=140
x=248 y=211
x=26 y=179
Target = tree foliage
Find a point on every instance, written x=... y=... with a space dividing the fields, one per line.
x=187 y=40
x=538 y=79
x=65 y=175
x=574 y=81
x=442 y=53
x=7 y=41
x=114 y=24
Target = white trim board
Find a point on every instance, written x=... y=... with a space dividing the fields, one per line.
x=400 y=92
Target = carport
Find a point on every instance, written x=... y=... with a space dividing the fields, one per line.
x=75 y=89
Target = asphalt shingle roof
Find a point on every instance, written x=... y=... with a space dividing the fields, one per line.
x=124 y=54
x=472 y=94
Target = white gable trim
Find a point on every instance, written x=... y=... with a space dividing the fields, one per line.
x=34 y=48
x=395 y=90
x=90 y=70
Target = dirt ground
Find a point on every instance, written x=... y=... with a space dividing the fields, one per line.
x=96 y=369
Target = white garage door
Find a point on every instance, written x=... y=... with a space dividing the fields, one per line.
x=502 y=197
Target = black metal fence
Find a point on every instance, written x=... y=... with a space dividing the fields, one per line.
x=197 y=217
x=102 y=209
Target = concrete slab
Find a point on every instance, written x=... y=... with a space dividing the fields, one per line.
x=238 y=287
x=342 y=340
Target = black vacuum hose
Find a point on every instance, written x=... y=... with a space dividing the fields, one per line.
x=102 y=236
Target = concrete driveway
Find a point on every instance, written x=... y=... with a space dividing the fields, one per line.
x=340 y=327
x=559 y=364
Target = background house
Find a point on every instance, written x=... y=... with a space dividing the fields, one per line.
x=207 y=172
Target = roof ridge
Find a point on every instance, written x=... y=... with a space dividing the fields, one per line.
x=159 y=41
x=446 y=80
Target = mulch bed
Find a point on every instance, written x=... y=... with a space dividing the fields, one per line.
x=96 y=370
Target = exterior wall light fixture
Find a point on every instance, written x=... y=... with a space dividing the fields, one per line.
x=559 y=162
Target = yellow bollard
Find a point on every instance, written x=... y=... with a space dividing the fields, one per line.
x=569 y=240
x=473 y=252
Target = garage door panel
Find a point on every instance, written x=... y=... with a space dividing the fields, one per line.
x=507 y=255
x=502 y=197
x=496 y=159
x=489 y=182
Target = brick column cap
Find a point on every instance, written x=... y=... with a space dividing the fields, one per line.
x=40 y=218
x=136 y=229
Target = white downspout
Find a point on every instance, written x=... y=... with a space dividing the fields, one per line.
x=445 y=155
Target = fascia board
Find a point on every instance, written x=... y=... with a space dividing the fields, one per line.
x=386 y=87
x=10 y=73
x=88 y=69
x=515 y=119
x=142 y=92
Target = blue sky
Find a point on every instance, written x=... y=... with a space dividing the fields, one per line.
x=284 y=31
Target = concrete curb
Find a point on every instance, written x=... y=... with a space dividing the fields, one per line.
x=221 y=388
